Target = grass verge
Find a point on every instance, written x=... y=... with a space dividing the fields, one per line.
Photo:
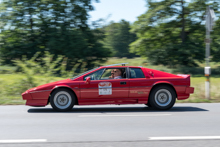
x=12 y=84
x=11 y=89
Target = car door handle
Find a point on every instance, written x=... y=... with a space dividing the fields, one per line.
x=123 y=83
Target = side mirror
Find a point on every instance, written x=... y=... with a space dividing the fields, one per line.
x=88 y=79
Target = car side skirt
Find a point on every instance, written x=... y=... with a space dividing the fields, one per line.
x=116 y=101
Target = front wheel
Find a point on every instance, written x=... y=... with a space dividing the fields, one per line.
x=162 y=97
x=62 y=100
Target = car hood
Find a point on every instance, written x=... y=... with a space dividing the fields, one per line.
x=49 y=86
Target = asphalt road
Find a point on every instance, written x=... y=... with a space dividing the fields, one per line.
x=111 y=125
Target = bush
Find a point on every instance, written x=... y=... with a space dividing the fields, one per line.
x=7 y=69
x=44 y=66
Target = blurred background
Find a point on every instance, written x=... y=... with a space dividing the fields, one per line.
x=47 y=40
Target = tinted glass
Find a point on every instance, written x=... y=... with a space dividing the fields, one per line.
x=136 y=73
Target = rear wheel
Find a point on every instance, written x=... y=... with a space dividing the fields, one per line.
x=162 y=97
x=62 y=100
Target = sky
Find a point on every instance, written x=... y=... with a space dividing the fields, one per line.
x=115 y=10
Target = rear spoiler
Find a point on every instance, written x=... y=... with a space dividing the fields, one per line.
x=186 y=77
x=183 y=75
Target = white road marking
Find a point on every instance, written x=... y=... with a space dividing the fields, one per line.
x=122 y=115
x=23 y=141
x=185 y=138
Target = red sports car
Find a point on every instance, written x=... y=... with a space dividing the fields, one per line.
x=113 y=85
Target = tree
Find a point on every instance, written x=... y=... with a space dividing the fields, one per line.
x=171 y=32
x=118 y=38
x=59 y=27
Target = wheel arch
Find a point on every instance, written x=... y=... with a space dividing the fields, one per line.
x=66 y=87
x=162 y=84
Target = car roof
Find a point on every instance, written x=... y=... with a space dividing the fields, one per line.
x=120 y=65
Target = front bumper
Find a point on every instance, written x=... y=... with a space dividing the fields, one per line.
x=36 y=103
x=26 y=95
x=33 y=102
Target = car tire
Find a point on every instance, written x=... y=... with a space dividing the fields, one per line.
x=62 y=100
x=162 y=97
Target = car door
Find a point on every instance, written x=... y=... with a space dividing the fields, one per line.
x=90 y=90
x=102 y=87
x=139 y=85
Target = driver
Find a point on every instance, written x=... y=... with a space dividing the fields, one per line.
x=117 y=73
x=112 y=75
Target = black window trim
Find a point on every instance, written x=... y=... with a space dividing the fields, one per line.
x=128 y=72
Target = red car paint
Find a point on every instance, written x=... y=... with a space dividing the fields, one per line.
x=124 y=91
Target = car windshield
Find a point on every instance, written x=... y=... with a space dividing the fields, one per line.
x=83 y=73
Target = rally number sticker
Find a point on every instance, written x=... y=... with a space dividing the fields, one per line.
x=105 y=88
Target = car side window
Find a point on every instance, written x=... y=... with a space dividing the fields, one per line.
x=106 y=74
x=114 y=73
x=95 y=75
x=136 y=73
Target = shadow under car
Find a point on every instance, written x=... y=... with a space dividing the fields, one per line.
x=123 y=109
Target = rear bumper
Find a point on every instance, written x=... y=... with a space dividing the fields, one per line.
x=189 y=90
x=186 y=94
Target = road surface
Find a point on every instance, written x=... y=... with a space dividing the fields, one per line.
x=111 y=125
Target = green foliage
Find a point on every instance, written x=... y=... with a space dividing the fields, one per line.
x=215 y=42
x=193 y=71
x=118 y=38
x=32 y=67
x=7 y=69
x=11 y=87
x=45 y=67
x=32 y=73
x=29 y=68
x=172 y=32
x=59 y=27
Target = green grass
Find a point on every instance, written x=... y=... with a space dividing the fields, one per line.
x=10 y=89
x=193 y=71
x=138 y=61
x=132 y=62
x=7 y=69
x=141 y=61
x=12 y=85
x=199 y=93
